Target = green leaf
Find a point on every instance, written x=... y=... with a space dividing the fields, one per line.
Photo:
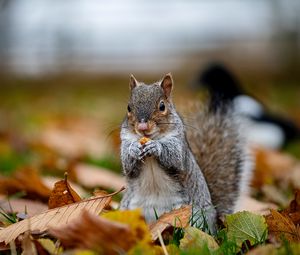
x=244 y=226
x=195 y=238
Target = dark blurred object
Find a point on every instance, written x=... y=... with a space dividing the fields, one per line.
x=261 y=126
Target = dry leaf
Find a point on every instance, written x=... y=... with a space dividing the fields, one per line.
x=75 y=137
x=49 y=246
x=194 y=237
x=176 y=218
x=135 y=220
x=49 y=181
x=22 y=205
x=91 y=231
x=268 y=249
x=91 y=176
x=293 y=211
x=54 y=217
x=271 y=166
x=275 y=195
x=282 y=226
x=28 y=246
x=26 y=180
x=252 y=205
x=62 y=194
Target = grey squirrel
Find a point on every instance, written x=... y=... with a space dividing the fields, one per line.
x=206 y=166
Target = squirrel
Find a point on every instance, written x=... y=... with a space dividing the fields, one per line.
x=206 y=166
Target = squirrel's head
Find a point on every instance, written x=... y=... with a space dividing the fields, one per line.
x=149 y=106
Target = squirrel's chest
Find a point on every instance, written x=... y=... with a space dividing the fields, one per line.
x=155 y=191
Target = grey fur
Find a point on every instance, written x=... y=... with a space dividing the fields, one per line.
x=164 y=173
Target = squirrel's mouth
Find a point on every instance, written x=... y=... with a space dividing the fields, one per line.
x=148 y=134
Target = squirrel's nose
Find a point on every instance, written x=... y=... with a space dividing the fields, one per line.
x=142 y=126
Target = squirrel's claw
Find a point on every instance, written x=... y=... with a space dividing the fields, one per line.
x=152 y=148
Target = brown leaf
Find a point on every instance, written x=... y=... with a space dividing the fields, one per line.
x=250 y=204
x=293 y=211
x=75 y=137
x=62 y=194
x=268 y=249
x=50 y=181
x=271 y=166
x=54 y=217
x=26 y=180
x=282 y=226
x=90 y=231
x=92 y=176
x=21 y=205
x=176 y=218
x=274 y=195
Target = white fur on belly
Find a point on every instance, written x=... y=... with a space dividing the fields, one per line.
x=155 y=190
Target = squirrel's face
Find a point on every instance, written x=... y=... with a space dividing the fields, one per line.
x=149 y=107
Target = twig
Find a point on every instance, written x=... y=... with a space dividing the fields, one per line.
x=162 y=243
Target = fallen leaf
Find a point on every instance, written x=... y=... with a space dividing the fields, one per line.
x=17 y=205
x=49 y=246
x=28 y=246
x=282 y=226
x=293 y=211
x=25 y=180
x=243 y=226
x=91 y=176
x=62 y=194
x=84 y=252
x=195 y=238
x=147 y=249
x=173 y=249
x=49 y=181
x=90 y=231
x=252 y=205
x=135 y=220
x=75 y=137
x=294 y=248
x=54 y=217
x=270 y=166
x=267 y=249
x=113 y=204
x=176 y=218
x=275 y=195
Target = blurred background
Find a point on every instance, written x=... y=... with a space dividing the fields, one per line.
x=65 y=65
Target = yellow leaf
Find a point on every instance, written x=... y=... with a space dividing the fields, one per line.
x=49 y=246
x=196 y=238
x=146 y=249
x=134 y=219
x=84 y=252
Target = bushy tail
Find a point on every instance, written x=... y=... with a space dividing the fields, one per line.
x=221 y=154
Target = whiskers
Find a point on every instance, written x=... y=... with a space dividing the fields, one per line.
x=176 y=123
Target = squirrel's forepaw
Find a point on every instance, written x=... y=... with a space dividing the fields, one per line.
x=152 y=148
x=135 y=150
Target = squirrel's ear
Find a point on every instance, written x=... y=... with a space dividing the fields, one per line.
x=167 y=84
x=132 y=82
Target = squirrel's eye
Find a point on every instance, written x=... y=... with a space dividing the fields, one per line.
x=128 y=108
x=162 y=106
